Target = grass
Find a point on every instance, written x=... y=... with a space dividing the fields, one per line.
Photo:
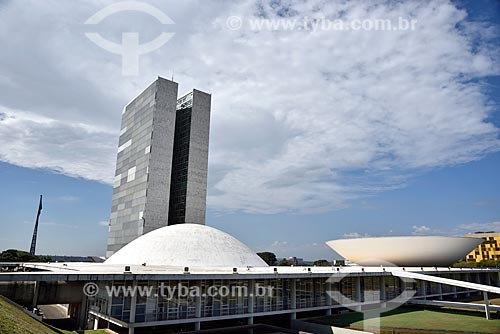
x=15 y=321
x=419 y=320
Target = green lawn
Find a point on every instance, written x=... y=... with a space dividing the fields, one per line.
x=15 y=321
x=407 y=319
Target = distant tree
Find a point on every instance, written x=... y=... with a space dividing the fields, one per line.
x=285 y=262
x=464 y=264
x=321 y=263
x=268 y=257
x=14 y=255
x=489 y=263
x=474 y=264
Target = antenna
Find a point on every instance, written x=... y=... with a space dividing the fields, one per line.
x=173 y=75
x=35 y=230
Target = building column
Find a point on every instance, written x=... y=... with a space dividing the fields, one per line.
x=486 y=305
x=251 y=300
x=197 y=312
x=293 y=297
x=133 y=304
x=478 y=281
x=404 y=292
x=82 y=313
x=423 y=289
x=382 y=296
x=96 y=323
x=466 y=279
x=328 y=293
x=357 y=292
x=36 y=290
x=440 y=291
x=488 y=280
x=109 y=304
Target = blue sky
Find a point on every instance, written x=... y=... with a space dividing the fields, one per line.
x=406 y=142
x=441 y=200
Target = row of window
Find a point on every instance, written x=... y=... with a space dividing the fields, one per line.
x=309 y=293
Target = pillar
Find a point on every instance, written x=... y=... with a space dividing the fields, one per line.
x=404 y=292
x=486 y=305
x=82 y=313
x=440 y=291
x=36 y=290
x=478 y=281
x=488 y=280
x=383 y=296
x=197 y=312
x=293 y=296
x=251 y=300
x=133 y=304
x=328 y=293
x=357 y=292
x=466 y=275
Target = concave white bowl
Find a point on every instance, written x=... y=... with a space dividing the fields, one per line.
x=408 y=251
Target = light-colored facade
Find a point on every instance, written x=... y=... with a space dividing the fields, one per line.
x=161 y=163
x=489 y=249
x=296 y=291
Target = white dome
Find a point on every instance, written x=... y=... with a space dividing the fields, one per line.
x=405 y=251
x=187 y=245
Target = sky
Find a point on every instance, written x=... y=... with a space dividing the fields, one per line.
x=316 y=134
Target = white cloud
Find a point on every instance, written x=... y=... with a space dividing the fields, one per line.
x=36 y=141
x=355 y=235
x=279 y=243
x=458 y=230
x=481 y=227
x=421 y=230
x=301 y=121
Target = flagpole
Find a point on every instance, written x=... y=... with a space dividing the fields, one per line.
x=35 y=230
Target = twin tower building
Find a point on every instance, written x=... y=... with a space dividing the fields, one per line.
x=162 y=163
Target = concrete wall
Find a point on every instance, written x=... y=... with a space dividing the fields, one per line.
x=48 y=293
x=21 y=292
x=129 y=189
x=160 y=163
x=60 y=293
x=196 y=195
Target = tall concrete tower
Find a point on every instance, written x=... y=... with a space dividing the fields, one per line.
x=161 y=167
